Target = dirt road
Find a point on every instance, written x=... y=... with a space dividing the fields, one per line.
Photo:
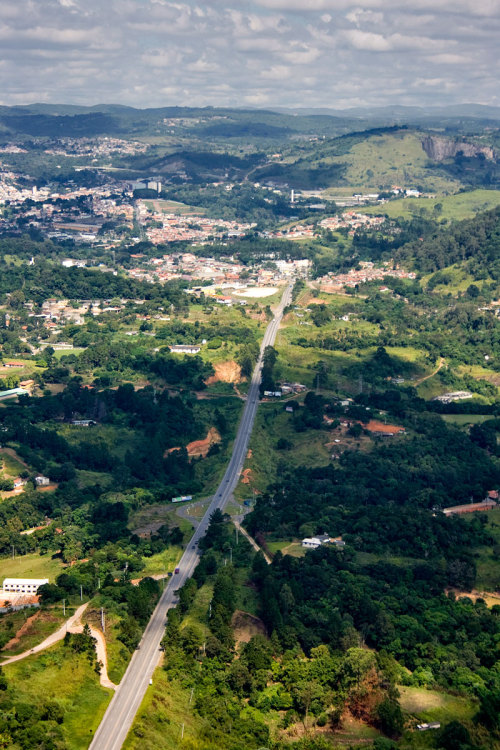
x=72 y=625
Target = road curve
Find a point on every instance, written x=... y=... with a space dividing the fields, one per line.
x=71 y=625
x=119 y=716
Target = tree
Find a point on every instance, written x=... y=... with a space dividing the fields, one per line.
x=454 y=736
x=390 y=717
x=308 y=695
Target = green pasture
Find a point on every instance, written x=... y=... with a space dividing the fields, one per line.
x=68 y=678
x=43 y=622
x=464 y=420
x=433 y=705
x=460 y=280
x=486 y=558
x=12 y=466
x=32 y=565
x=453 y=207
x=271 y=424
x=162 y=562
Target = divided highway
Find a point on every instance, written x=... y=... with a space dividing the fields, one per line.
x=119 y=716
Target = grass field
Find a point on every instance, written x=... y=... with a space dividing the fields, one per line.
x=164 y=713
x=272 y=423
x=87 y=478
x=151 y=517
x=118 y=440
x=297 y=364
x=431 y=705
x=174 y=207
x=487 y=562
x=460 y=280
x=454 y=207
x=463 y=420
x=37 y=624
x=30 y=566
x=163 y=562
x=63 y=352
x=12 y=464
x=291 y=547
x=197 y=615
x=68 y=678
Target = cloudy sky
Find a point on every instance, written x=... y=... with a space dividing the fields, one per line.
x=319 y=53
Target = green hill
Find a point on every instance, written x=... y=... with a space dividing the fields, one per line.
x=463 y=205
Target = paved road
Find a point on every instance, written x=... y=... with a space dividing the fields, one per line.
x=124 y=705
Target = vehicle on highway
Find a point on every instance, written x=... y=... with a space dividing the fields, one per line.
x=177 y=570
x=170 y=574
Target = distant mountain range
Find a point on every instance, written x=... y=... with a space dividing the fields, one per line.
x=68 y=120
x=402 y=114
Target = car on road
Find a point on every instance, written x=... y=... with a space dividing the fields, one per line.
x=170 y=574
x=177 y=570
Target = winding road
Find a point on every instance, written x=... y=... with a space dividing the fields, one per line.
x=119 y=716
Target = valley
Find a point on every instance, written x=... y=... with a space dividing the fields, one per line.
x=249 y=370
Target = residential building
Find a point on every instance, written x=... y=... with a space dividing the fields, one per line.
x=24 y=585
x=42 y=481
x=314 y=542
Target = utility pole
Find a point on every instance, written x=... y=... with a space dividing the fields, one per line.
x=81 y=593
x=64 y=607
x=103 y=624
x=182 y=732
x=236 y=529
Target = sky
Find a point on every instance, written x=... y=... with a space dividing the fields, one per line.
x=268 y=53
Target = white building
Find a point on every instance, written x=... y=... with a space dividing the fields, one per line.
x=184 y=348
x=23 y=585
x=314 y=542
x=42 y=481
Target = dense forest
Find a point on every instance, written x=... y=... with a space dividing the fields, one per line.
x=426 y=245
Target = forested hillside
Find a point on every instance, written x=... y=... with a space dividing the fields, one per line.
x=475 y=240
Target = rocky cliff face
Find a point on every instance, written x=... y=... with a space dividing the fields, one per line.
x=438 y=148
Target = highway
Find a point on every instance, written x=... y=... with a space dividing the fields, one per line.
x=119 y=716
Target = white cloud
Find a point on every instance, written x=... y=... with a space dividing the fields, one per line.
x=367 y=40
x=304 y=52
x=276 y=73
x=449 y=59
